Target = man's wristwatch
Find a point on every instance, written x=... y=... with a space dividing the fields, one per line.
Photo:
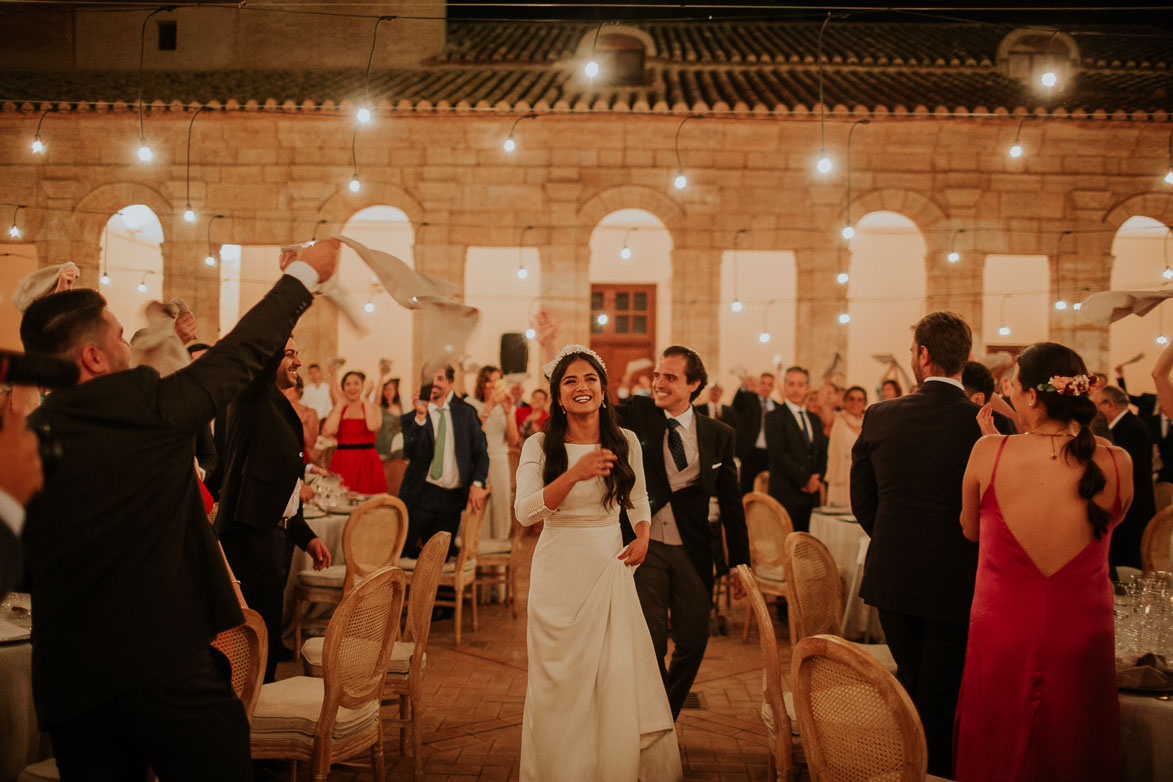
x=479 y=484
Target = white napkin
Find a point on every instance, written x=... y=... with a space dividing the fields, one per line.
x=1107 y=307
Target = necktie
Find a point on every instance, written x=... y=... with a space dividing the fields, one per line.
x=438 y=457
x=763 y=423
x=676 y=445
x=805 y=428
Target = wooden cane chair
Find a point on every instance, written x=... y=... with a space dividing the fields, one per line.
x=336 y=717
x=768 y=524
x=1156 y=545
x=373 y=538
x=405 y=674
x=498 y=561
x=856 y=720
x=816 y=594
x=777 y=706
x=761 y=482
x=394 y=471
x=1162 y=495
x=246 y=647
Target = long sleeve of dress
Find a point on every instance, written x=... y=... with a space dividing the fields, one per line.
x=641 y=509
x=530 y=505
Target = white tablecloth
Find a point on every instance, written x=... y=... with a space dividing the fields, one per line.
x=329 y=529
x=841 y=534
x=1146 y=738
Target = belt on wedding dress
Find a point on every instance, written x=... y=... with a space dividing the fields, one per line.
x=580 y=521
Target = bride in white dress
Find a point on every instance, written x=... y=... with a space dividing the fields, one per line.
x=595 y=706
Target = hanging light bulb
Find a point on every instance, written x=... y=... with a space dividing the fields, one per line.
x=844 y=317
x=522 y=272
x=681 y=181
x=1162 y=340
x=841 y=278
x=1168 y=273
x=824 y=164
x=625 y=253
x=144 y=152
x=354 y=183
x=369 y=306
x=953 y=256
x=602 y=319
x=38 y=147
x=142 y=286
x=1169 y=176
x=530 y=333
x=209 y=260
x=1061 y=304
x=363 y=115
x=1004 y=331
x=1077 y=306
x=736 y=305
x=591 y=70
x=510 y=144
x=1049 y=79
x=14 y=232
x=848 y=231
x=1016 y=149
x=189 y=214
x=105 y=279
x=764 y=337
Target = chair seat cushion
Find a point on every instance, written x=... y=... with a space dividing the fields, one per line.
x=288 y=711
x=491 y=546
x=400 y=662
x=768 y=715
x=776 y=574
x=470 y=566
x=882 y=654
x=333 y=576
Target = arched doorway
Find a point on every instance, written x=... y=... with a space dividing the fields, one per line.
x=130 y=260
x=631 y=290
x=1143 y=251
x=885 y=294
x=1016 y=301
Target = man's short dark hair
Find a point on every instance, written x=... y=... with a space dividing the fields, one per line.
x=948 y=339
x=694 y=368
x=60 y=323
x=313 y=366
x=766 y=374
x=449 y=373
x=797 y=369
x=543 y=392
x=196 y=347
x=1115 y=395
x=977 y=379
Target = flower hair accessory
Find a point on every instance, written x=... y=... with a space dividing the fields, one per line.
x=1068 y=386
x=569 y=350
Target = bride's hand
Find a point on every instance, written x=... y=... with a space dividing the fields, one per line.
x=635 y=552
x=594 y=464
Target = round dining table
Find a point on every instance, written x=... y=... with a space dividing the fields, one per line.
x=838 y=530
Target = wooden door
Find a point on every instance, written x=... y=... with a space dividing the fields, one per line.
x=629 y=330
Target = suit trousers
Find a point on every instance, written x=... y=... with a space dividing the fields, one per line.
x=800 y=512
x=260 y=559
x=436 y=510
x=668 y=583
x=930 y=658
x=757 y=461
x=187 y=726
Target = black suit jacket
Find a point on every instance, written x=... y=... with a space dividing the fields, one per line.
x=1131 y=434
x=748 y=407
x=264 y=458
x=906 y=472
x=127 y=580
x=1164 y=446
x=792 y=463
x=419 y=445
x=728 y=416
x=690 y=506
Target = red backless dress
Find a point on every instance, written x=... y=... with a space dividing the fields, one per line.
x=1038 y=698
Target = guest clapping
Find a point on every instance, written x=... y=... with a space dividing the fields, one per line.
x=354 y=422
x=844 y=431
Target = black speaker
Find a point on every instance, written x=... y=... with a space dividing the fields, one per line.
x=514 y=353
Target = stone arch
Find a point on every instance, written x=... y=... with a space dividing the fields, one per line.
x=921 y=209
x=93 y=209
x=343 y=204
x=1068 y=43
x=604 y=202
x=587 y=42
x=1158 y=206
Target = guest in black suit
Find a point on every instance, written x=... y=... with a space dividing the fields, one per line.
x=128 y=584
x=906 y=473
x=979 y=387
x=438 y=483
x=20 y=479
x=714 y=409
x=797 y=450
x=260 y=516
x=1130 y=433
x=1159 y=424
x=751 y=403
x=687 y=459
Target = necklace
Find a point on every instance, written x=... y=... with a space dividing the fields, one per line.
x=1052 y=436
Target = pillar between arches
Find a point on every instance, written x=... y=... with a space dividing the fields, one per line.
x=821 y=301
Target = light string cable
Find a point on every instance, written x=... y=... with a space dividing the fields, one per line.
x=363 y=115
x=144 y=151
x=188 y=213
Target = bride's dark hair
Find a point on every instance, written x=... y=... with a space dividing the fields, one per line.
x=1036 y=366
x=622 y=478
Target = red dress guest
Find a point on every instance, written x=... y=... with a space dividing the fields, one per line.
x=354 y=423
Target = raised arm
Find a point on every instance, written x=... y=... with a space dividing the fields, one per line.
x=374 y=418
x=1164 y=384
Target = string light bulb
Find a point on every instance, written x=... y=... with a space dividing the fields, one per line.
x=189 y=214
x=625 y=253
x=841 y=278
x=530 y=333
x=953 y=256
x=602 y=319
x=363 y=115
x=1168 y=273
x=510 y=144
x=105 y=279
x=681 y=181
x=1077 y=306
x=354 y=185
x=591 y=70
x=736 y=305
x=1004 y=331
x=142 y=286
x=848 y=232
x=522 y=273
x=764 y=337
x=209 y=260
x=824 y=164
x=38 y=146
x=1169 y=176
x=144 y=151
x=1162 y=340
x=14 y=232
x=369 y=306
x=844 y=318
x=1016 y=149
x=1061 y=304
x=1049 y=79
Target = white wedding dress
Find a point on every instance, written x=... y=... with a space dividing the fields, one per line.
x=595 y=706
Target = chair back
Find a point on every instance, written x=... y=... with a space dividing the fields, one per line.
x=856 y=720
x=771 y=672
x=1156 y=545
x=1163 y=495
x=358 y=644
x=374 y=537
x=394 y=471
x=761 y=482
x=768 y=524
x=246 y=646
x=424 y=581
x=470 y=532
x=816 y=594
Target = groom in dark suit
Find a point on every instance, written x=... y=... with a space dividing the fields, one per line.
x=906 y=472
x=796 y=449
x=127 y=580
x=687 y=459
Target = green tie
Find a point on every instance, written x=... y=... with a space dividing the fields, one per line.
x=438 y=457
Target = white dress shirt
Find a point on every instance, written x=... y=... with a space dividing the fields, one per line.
x=1116 y=420
x=801 y=416
x=450 y=478
x=950 y=380
x=664 y=527
x=317 y=398
x=11 y=512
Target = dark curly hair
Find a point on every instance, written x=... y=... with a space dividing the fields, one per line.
x=1036 y=366
x=622 y=478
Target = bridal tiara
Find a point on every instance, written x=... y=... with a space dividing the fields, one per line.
x=568 y=350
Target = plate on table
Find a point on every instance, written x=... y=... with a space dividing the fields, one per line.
x=312 y=512
x=11 y=633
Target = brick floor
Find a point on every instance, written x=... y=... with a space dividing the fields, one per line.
x=475 y=695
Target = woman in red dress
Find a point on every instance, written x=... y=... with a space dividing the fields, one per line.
x=354 y=422
x=1038 y=696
